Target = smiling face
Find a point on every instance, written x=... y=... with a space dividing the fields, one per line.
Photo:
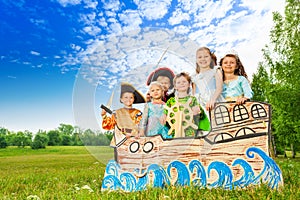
x=165 y=82
x=156 y=91
x=127 y=99
x=203 y=59
x=229 y=65
x=181 y=84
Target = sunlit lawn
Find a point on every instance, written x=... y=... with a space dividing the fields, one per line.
x=77 y=172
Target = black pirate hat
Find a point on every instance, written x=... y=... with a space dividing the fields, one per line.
x=163 y=71
x=138 y=97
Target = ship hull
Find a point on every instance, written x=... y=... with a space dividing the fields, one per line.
x=235 y=153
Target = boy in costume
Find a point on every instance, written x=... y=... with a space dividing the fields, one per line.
x=125 y=120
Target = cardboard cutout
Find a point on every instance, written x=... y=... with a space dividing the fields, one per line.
x=234 y=154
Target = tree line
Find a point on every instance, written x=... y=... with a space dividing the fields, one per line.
x=64 y=135
x=277 y=80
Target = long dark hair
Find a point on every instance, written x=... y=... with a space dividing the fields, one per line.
x=240 y=71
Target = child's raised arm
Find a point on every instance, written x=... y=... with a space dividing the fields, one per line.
x=219 y=87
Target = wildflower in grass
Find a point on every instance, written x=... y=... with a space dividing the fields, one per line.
x=86 y=187
x=33 y=197
x=77 y=188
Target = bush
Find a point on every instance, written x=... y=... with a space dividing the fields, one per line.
x=40 y=141
x=3 y=143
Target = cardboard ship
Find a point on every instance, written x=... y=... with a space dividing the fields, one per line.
x=235 y=153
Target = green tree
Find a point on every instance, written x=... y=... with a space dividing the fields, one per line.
x=28 y=136
x=76 y=141
x=102 y=139
x=22 y=139
x=66 y=140
x=3 y=143
x=282 y=57
x=40 y=140
x=76 y=137
x=260 y=84
x=66 y=129
x=54 y=138
x=3 y=132
x=88 y=137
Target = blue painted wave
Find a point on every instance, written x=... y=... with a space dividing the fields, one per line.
x=200 y=179
x=224 y=172
x=271 y=173
x=248 y=175
x=179 y=174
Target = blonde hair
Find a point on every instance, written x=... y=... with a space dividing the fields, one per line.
x=157 y=84
x=213 y=57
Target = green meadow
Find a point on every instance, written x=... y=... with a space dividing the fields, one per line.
x=76 y=173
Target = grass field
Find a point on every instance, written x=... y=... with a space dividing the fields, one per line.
x=74 y=173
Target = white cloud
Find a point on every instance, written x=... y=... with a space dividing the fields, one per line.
x=75 y=47
x=152 y=9
x=38 y=22
x=115 y=27
x=102 y=22
x=87 y=18
x=178 y=17
x=182 y=29
x=113 y=5
x=35 y=53
x=267 y=5
x=131 y=18
x=65 y=3
x=110 y=14
x=92 y=30
x=91 y=4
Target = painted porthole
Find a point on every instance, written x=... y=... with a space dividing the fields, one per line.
x=134 y=147
x=148 y=146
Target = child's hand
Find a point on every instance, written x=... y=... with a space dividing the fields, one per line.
x=141 y=133
x=137 y=136
x=241 y=100
x=196 y=110
x=103 y=112
x=148 y=97
x=210 y=105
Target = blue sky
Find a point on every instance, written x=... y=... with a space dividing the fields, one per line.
x=60 y=59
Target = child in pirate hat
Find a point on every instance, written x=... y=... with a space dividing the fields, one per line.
x=125 y=120
x=164 y=76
